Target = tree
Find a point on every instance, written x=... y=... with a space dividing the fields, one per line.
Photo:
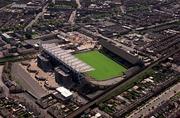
x=28 y=35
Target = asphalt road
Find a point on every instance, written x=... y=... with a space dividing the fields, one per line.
x=5 y=7
x=78 y=3
x=111 y=92
x=72 y=17
x=36 y=18
x=154 y=103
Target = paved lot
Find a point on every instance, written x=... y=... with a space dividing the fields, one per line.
x=1 y=83
x=27 y=81
x=50 y=77
x=154 y=103
x=5 y=88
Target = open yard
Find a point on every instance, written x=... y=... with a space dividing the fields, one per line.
x=105 y=68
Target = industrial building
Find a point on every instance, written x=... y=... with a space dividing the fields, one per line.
x=63 y=93
x=64 y=74
x=43 y=63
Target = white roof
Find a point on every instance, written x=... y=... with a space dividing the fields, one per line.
x=98 y=115
x=65 y=92
x=6 y=35
x=152 y=117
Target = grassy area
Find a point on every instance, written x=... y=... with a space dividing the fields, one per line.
x=178 y=94
x=105 y=68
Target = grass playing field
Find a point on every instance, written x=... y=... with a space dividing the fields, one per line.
x=105 y=68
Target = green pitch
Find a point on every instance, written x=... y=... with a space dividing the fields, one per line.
x=105 y=68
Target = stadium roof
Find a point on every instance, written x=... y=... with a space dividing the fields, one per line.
x=67 y=58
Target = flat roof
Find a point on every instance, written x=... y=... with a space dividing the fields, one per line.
x=6 y=36
x=65 y=92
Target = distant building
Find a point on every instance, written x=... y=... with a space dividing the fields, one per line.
x=63 y=1
x=47 y=16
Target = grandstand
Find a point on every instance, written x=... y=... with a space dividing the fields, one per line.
x=66 y=58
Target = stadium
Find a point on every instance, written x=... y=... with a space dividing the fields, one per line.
x=103 y=66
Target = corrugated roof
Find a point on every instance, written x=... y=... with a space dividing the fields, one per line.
x=67 y=58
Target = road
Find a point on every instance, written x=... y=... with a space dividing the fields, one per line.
x=73 y=14
x=72 y=17
x=36 y=18
x=78 y=3
x=109 y=94
x=5 y=7
x=155 y=102
x=157 y=25
x=123 y=9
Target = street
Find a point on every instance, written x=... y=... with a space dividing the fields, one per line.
x=36 y=18
x=72 y=18
x=155 y=102
x=78 y=3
